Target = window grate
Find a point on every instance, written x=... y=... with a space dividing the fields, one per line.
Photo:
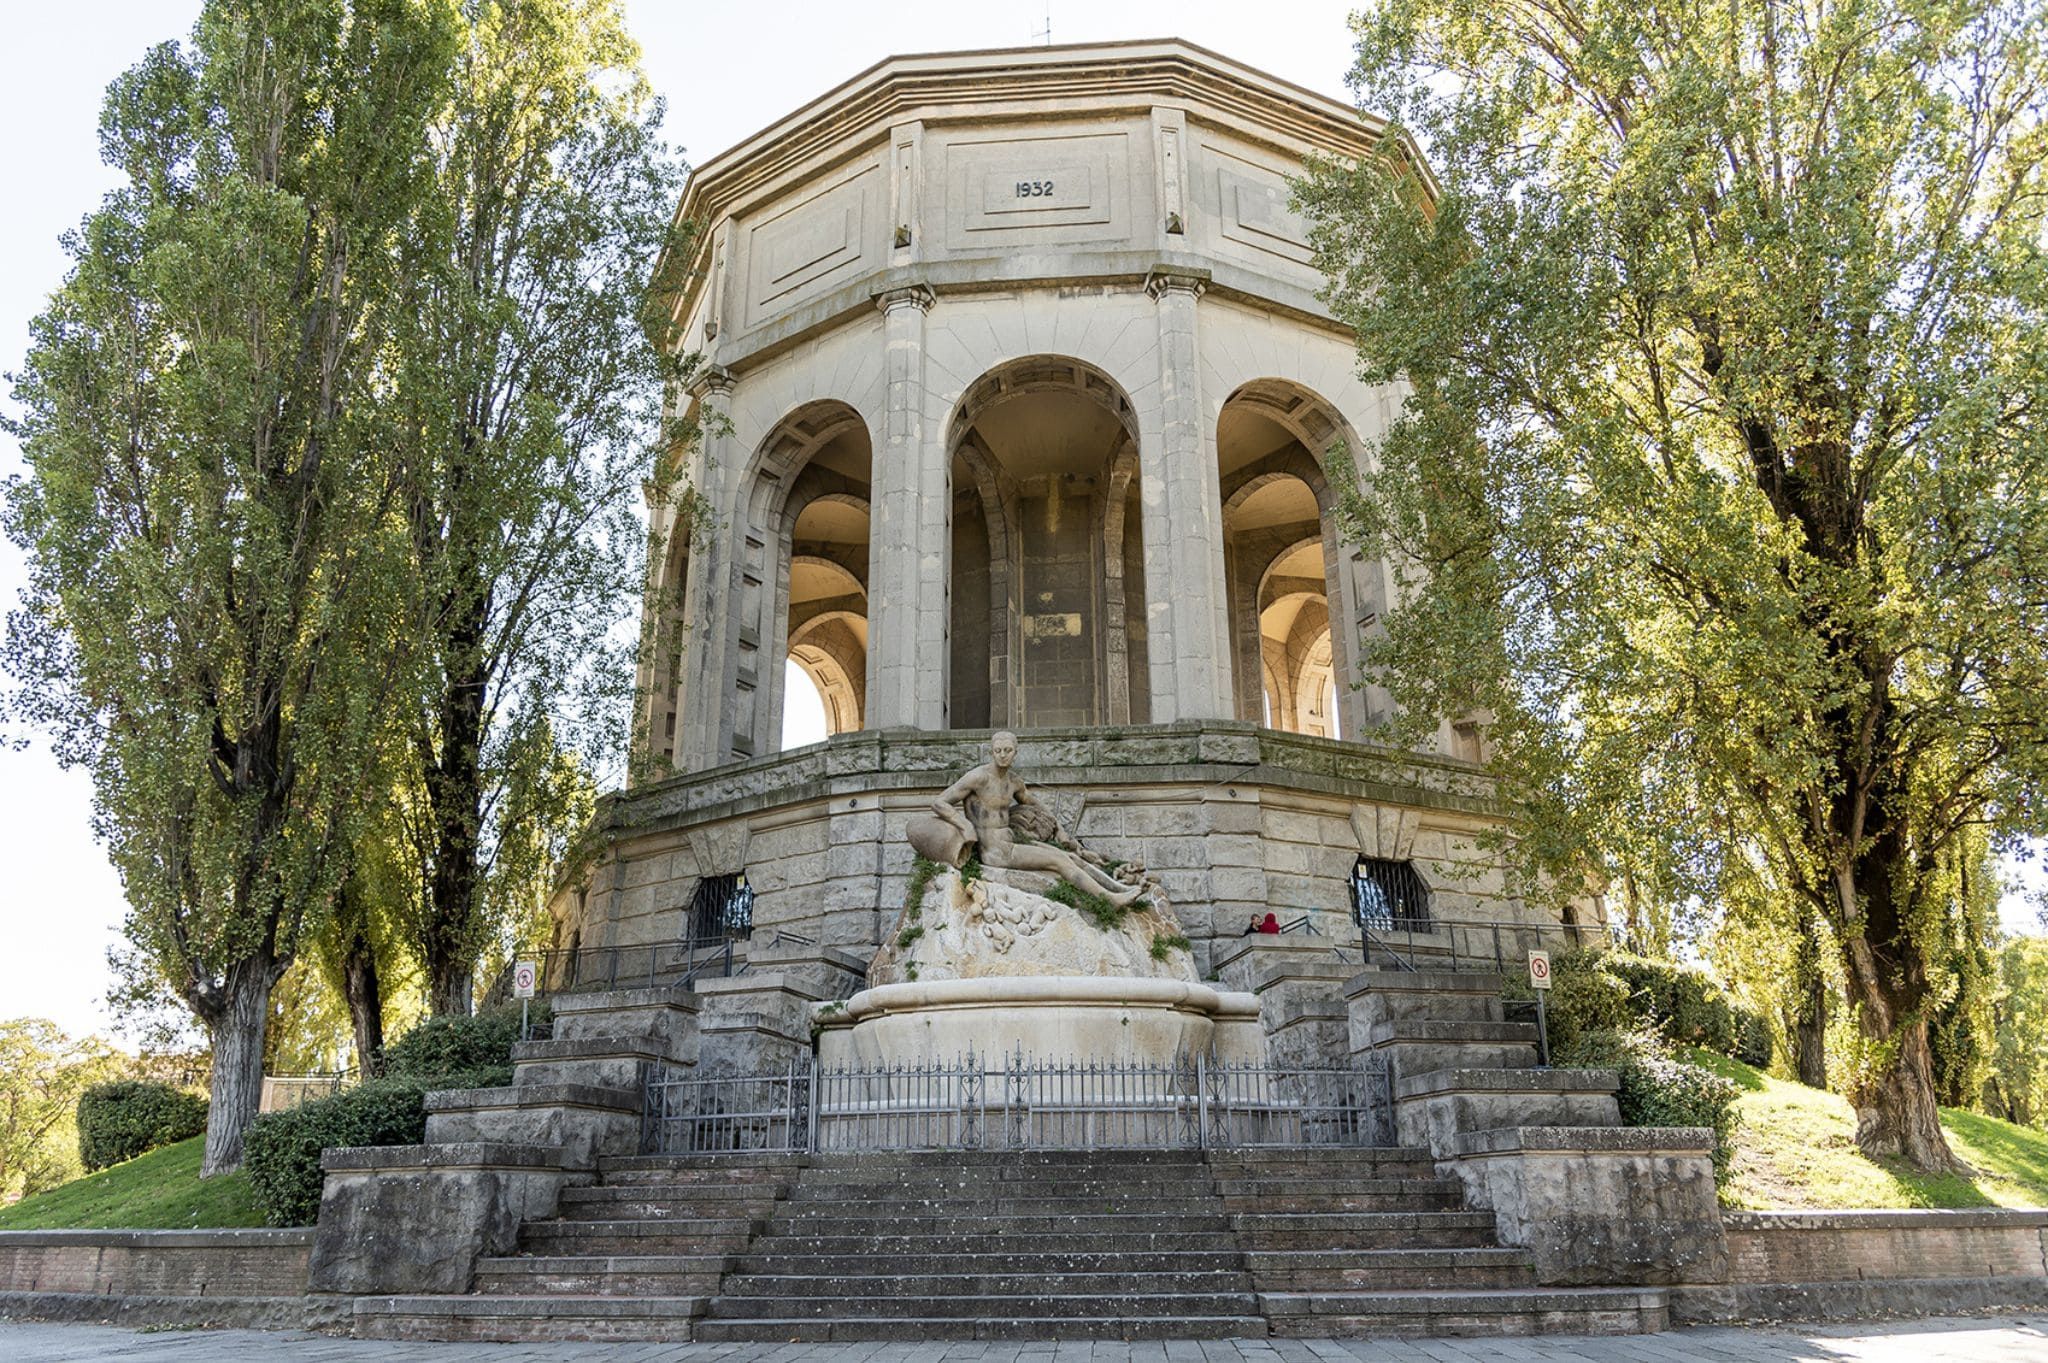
x=723 y=907
x=1388 y=894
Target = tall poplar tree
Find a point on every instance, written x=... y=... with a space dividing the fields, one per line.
x=1722 y=483
x=528 y=395
x=210 y=543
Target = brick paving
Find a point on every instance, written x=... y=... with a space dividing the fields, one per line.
x=2006 y=1339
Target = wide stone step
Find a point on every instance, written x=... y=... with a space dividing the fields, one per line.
x=1535 y=1311
x=1036 y=1327
x=640 y=1236
x=957 y=1242
x=1365 y=1230
x=1295 y=1171
x=1102 y=1284
x=685 y=1169
x=1413 y=1200
x=1046 y=1261
x=1333 y=1186
x=940 y=1219
x=1022 y=1204
x=1014 y=1159
x=677 y=1193
x=640 y=1275
x=1008 y=1183
x=1165 y=1305
x=645 y=1207
x=527 y=1318
x=1389 y=1269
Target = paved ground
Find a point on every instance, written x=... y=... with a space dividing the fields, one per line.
x=2006 y=1339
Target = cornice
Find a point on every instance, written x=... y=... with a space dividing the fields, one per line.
x=1021 y=84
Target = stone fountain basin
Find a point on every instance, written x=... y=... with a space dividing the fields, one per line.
x=1049 y=1018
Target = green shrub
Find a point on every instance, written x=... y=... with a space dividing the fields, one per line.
x=1658 y=1088
x=1682 y=1003
x=1752 y=1038
x=118 y=1121
x=1584 y=999
x=282 y=1150
x=447 y=1045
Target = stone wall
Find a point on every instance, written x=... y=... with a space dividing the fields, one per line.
x=1850 y=1265
x=227 y=1277
x=1236 y=820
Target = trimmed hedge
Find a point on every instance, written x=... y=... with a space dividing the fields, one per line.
x=128 y=1117
x=450 y=1045
x=1659 y=1089
x=1615 y=991
x=282 y=1153
x=282 y=1150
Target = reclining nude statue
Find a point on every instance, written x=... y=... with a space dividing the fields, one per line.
x=993 y=807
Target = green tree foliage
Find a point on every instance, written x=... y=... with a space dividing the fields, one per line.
x=527 y=400
x=43 y=1073
x=123 y=1118
x=209 y=543
x=2018 y=1087
x=1721 y=485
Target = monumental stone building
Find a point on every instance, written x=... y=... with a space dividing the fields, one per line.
x=1023 y=430
x=1020 y=411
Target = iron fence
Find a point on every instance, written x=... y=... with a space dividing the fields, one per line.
x=1019 y=1103
x=1499 y=947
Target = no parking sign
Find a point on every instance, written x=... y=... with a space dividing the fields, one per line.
x=1539 y=969
x=522 y=980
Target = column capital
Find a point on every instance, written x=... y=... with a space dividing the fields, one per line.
x=917 y=296
x=714 y=381
x=1164 y=279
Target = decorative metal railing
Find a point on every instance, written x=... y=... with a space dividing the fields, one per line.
x=1018 y=1103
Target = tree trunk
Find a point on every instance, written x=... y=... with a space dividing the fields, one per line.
x=1810 y=1020
x=1886 y=979
x=455 y=794
x=1896 y=1114
x=365 y=995
x=237 y=1085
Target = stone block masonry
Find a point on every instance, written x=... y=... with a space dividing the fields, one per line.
x=170 y=1277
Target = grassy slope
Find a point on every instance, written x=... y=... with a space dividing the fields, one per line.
x=161 y=1190
x=1796 y=1149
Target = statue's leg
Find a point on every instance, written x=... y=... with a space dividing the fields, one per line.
x=1038 y=856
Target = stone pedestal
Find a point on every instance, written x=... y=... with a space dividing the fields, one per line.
x=416 y=1218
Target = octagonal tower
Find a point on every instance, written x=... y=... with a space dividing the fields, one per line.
x=1021 y=411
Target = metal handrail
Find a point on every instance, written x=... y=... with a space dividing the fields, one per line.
x=646 y=965
x=1495 y=945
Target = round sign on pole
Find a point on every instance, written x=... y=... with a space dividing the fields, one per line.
x=1539 y=969
x=522 y=980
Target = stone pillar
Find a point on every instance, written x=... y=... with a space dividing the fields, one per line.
x=1189 y=638
x=704 y=730
x=910 y=550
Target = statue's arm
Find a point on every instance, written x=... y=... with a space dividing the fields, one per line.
x=950 y=805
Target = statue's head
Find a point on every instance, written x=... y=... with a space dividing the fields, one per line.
x=1002 y=749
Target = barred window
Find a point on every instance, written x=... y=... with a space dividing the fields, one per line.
x=723 y=907
x=1388 y=894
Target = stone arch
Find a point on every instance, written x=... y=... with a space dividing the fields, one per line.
x=1045 y=461
x=1274 y=435
x=812 y=468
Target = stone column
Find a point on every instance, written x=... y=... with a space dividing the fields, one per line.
x=910 y=550
x=704 y=729
x=1183 y=519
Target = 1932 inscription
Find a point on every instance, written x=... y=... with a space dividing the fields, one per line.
x=1034 y=189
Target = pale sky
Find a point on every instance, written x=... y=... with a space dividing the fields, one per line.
x=727 y=70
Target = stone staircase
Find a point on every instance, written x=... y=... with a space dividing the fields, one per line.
x=1106 y=1244
x=1021 y=1245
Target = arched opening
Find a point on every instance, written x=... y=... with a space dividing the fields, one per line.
x=1047 y=591
x=811 y=501
x=1289 y=598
